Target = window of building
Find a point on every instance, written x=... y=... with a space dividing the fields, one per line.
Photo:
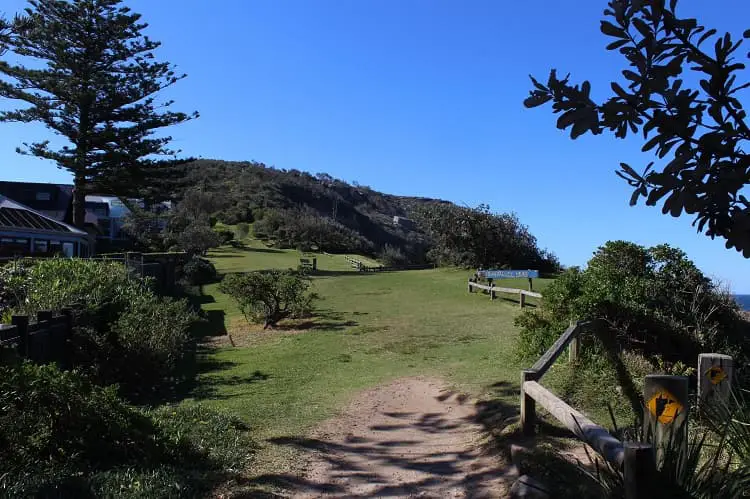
x=41 y=246
x=68 y=249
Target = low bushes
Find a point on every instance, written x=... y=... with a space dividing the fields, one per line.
x=654 y=301
x=198 y=271
x=124 y=335
x=657 y=312
x=269 y=297
x=62 y=436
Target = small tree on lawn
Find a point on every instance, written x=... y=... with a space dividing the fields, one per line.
x=269 y=297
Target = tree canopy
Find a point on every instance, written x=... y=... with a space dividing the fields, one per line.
x=87 y=71
x=681 y=90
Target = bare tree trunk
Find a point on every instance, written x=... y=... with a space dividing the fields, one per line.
x=79 y=201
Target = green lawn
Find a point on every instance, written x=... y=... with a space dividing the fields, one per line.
x=369 y=328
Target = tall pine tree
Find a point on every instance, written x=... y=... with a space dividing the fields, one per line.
x=87 y=72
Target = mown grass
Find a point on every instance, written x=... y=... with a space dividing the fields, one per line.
x=368 y=329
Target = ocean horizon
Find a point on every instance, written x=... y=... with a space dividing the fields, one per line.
x=744 y=301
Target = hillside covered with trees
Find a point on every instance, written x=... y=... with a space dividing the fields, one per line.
x=295 y=209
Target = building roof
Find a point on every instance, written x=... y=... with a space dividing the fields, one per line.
x=14 y=215
x=52 y=200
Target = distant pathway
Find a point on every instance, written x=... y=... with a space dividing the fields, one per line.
x=410 y=438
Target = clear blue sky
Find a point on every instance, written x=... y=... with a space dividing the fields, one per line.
x=418 y=97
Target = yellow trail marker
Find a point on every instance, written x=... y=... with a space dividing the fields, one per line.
x=665 y=407
x=716 y=374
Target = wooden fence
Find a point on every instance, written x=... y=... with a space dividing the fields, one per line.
x=493 y=290
x=43 y=341
x=636 y=460
x=361 y=267
x=163 y=268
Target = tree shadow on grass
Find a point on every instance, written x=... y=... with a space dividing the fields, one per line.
x=210 y=387
x=340 y=273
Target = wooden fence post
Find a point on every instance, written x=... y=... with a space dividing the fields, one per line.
x=715 y=372
x=521 y=299
x=639 y=470
x=44 y=315
x=66 y=355
x=666 y=412
x=315 y=263
x=22 y=323
x=492 y=291
x=471 y=288
x=528 y=404
x=573 y=350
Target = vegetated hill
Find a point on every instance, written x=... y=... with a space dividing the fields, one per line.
x=291 y=208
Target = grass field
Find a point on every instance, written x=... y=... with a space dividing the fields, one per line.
x=369 y=328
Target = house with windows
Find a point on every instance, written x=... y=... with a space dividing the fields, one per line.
x=28 y=232
x=105 y=215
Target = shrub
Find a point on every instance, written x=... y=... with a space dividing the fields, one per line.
x=242 y=230
x=103 y=287
x=154 y=345
x=195 y=239
x=269 y=297
x=198 y=271
x=62 y=436
x=654 y=301
x=125 y=334
x=392 y=256
x=225 y=234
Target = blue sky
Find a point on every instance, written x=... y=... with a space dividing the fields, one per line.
x=418 y=97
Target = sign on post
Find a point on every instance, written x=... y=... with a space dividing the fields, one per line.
x=508 y=274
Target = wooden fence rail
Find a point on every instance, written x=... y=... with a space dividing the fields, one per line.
x=636 y=460
x=362 y=267
x=42 y=341
x=493 y=290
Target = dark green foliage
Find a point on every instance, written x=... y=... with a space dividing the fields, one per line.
x=356 y=218
x=694 y=123
x=124 y=334
x=269 y=297
x=476 y=237
x=60 y=435
x=392 y=256
x=652 y=300
x=152 y=346
x=198 y=271
x=87 y=72
x=307 y=231
x=242 y=230
x=226 y=235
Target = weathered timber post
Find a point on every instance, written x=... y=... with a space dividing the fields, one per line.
x=639 y=469
x=66 y=355
x=315 y=263
x=471 y=288
x=666 y=412
x=521 y=299
x=492 y=291
x=44 y=315
x=22 y=323
x=528 y=404
x=573 y=350
x=531 y=285
x=42 y=344
x=715 y=372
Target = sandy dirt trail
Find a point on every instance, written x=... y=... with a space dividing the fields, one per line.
x=409 y=438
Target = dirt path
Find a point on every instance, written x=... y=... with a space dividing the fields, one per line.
x=410 y=438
